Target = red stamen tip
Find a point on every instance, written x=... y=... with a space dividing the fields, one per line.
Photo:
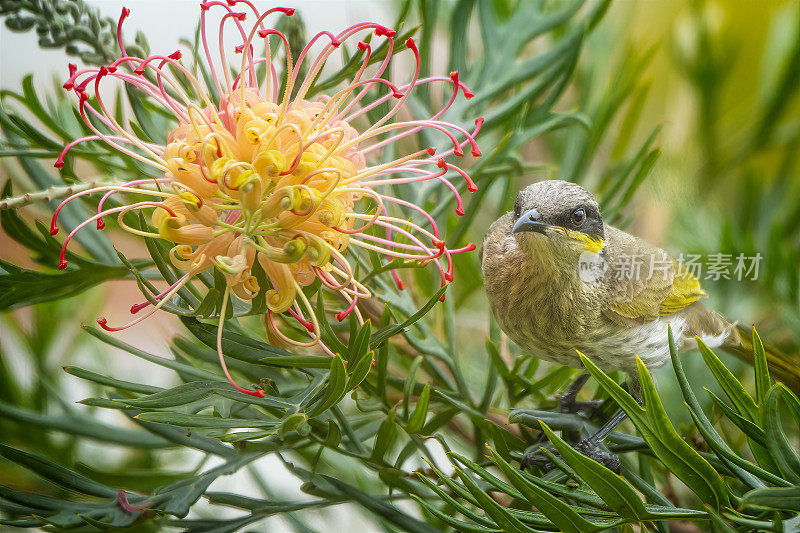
x=204 y=6
x=479 y=121
x=73 y=68
x=468 y=94
x=384 y=31
x=441 y=163
x=439 y=244
x=240 y=16
x=257 y=392
x=401 y=284
x=476 y=152
x=374 y=364
x=139 y=70
x=231 y=3
x=458 y=151
x=102 y=322
x=62 y=264
x=68 y=85
x=448 y=275
x=471 y=187
x=135 y=308
x=460 y=211
x=125 y=12
x=101 y=224
x=239 y=48
x=53 y=228
x=454 y=76
x=59 y=162
x=335 y=43
x=362 y=45
x=288 y=10
x=470 y=247
x=442 y=298
x=341 y=315
x=262 y=33
x=410 y=43
x=103 y=71
x=431 y=150
x=397 y=94
x=176 y=55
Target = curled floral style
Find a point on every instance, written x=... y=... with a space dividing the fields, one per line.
x=265 y=175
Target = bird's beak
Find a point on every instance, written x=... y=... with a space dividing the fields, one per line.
x=530 y=221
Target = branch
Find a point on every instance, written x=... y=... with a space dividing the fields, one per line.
x=52 y=193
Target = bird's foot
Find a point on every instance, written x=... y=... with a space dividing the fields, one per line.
x=587 y=447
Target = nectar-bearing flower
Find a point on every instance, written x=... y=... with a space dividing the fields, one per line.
x=263 y=178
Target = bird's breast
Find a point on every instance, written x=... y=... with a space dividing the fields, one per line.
x=540 y=303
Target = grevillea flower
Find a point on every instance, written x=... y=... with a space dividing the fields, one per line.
x=263 y=174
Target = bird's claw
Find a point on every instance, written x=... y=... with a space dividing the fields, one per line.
x=591 y=450
x=586 y=447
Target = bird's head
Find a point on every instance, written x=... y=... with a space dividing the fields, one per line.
x=558 y=217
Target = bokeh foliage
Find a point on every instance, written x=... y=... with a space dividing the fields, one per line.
x=353 y=434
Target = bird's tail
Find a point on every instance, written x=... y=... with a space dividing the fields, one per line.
x=782 y=366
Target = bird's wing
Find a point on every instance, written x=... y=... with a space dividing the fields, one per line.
x=644 y=281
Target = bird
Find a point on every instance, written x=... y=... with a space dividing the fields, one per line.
x=560 y=281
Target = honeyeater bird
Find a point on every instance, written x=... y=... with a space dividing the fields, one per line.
x=559 y=281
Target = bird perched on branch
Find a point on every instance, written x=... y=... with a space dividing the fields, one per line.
x=559 y=280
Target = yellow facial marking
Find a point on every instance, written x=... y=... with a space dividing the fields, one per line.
x=589 y=243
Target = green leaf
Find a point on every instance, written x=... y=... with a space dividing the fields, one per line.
x=387 y=433
x=297 y=361
x=458 y=525
x=657 y=430
x=202 y=421
x=749 y=473
x=84 y=426
x=451 y=501
x=140 y=480
x=613 y=489
x=560 y=513
x=21 y=287
x=292 y=423
x=782 y=452
x=56 y=473
x=784 y=498
x=336 y=389
x=410 y=381
x=742 y=401
x=389 y=513
x=110 y=382
x=197 y=390
x=234 y=344
x=749 y=428
x=763 y=381
x=417 y=419
x=497 y=512
x=184 y=369
x=383 y=334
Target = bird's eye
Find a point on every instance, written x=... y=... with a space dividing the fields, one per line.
x=517 y=209
x=578 y=216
